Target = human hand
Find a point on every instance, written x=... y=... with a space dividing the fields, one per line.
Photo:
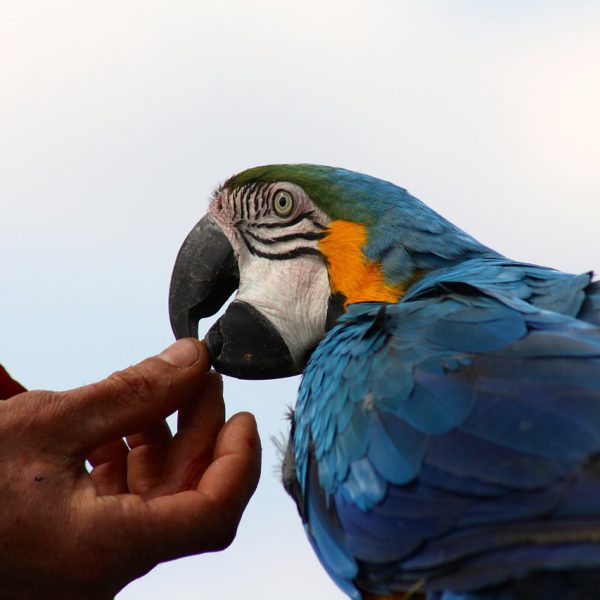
x=66 y=533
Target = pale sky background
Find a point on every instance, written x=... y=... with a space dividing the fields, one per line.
x=117 y=118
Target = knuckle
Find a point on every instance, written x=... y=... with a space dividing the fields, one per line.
x=227 y=530
x=132 y=384
x=35 y=422
x=228 y=534
x=33 y=409
x=220 y=528
x=53 y=405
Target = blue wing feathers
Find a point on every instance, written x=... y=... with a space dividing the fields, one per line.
x=345 y=413
x=590 y=310
x=364 y=485
x=436 y=407
x=395 y=449
x=353 y=439
x=327 y=538
x=493 y=330
x=485 y=569
x=454 y=433
x=548 y=417
x=469 y=456
x=441 y=479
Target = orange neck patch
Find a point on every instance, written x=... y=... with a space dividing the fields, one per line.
x=350 y=273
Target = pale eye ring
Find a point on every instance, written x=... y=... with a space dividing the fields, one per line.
x=283 y=203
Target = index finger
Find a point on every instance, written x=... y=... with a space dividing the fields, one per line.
x=131 y=400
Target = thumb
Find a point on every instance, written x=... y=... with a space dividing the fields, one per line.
x=131 y=400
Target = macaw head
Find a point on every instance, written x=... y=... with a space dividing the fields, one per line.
x=300 y=243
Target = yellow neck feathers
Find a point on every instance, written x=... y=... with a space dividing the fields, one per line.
x=349 y=270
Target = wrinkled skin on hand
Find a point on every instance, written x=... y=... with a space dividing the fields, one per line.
x=66 y=533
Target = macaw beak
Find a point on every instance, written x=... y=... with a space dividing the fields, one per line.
x=243 y=342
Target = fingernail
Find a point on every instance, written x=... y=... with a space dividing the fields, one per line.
x=182 y=353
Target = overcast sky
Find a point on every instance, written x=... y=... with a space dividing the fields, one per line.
x=118 y=118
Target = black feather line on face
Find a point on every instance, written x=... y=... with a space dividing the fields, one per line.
x=252 y=193
x=243 y=208
x=264 y=200
x=305 y=215
x=308 y=235
x=295 y=253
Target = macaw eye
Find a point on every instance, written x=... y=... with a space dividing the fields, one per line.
x=283 y=203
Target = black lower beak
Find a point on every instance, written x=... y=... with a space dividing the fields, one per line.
x=243 y=342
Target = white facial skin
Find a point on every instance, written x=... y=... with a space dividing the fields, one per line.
x=290 y=286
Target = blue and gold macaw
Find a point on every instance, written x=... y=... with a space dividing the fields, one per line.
x=446 y=436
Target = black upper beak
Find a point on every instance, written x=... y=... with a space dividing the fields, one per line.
x=243 y=342
x=205 y=275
